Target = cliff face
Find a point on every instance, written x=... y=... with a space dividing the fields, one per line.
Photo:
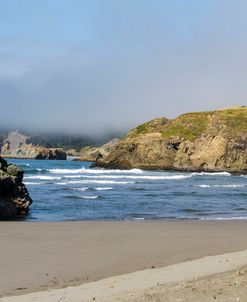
x=14 y=197
x=16 y=145
x=95 y=153
x=201 y=141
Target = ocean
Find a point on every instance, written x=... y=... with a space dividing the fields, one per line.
x=67 y=190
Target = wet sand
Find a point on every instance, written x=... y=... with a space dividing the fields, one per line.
x=41 y=256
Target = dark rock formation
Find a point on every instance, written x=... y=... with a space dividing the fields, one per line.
x=17 y=145
x=55 y=154
x=201 y=141
x=14 y=197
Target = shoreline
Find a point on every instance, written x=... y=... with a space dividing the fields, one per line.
x=26 y=219
x=47 y=255
x=95 y=164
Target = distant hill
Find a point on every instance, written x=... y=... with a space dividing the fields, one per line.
x=17 y=145
x=60 y=140
x=3 y=135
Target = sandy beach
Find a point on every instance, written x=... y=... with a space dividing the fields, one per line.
x=45 y=256
x=205 y=279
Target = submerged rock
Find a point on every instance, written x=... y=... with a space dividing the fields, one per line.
x=200 y=141
x=17 y=145
x=14 y=197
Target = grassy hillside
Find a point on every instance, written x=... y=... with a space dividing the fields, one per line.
x=190 y=126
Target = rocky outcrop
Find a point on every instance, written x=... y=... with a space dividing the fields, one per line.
x=201 y=141
x=17 y=145
x=51 y=153
x=14 y=197
x=95 y=153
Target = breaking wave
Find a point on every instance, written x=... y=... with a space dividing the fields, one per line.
x=94 y=171
x=211 y=173
x=103 y=188
x=43 y=177
x=148 y=177
x=86 y=181
x=222 y=186
x=82 y=197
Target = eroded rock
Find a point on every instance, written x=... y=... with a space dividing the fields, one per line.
x=200 y=141
x=14 y=197
x=17 y=145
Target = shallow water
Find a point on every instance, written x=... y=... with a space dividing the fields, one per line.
x=66 y=190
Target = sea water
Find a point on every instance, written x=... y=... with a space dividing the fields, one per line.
x=67 y=190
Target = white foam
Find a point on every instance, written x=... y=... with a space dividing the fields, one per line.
x=94 y=171
x=43 y=177
x=81 y=189
x=223 y=186
x=224 y=218
x=138 y=218
x=87 y=181
x=229 y=186
x=131 y=171
x=90 y=197
x=104 y=188
x=65 y=171
x=212 y=173
x=151 y=177
x=32 y=183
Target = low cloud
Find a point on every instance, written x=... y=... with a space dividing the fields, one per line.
x=134 y=61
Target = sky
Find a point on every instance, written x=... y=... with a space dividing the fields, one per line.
x=108 y=65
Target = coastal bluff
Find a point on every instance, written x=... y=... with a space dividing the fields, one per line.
x=200 y=141
x=17 y=145
x=94 y=153
x=14 y=197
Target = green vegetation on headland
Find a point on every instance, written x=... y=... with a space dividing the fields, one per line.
x=191 y=125
x=197 y=141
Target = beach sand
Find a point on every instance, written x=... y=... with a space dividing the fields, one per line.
x=43 y=256
x=198 y=280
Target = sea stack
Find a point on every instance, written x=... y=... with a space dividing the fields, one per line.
x=200 y=141
x=14 y=197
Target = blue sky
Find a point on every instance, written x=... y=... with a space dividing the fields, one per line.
x=97 y=65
